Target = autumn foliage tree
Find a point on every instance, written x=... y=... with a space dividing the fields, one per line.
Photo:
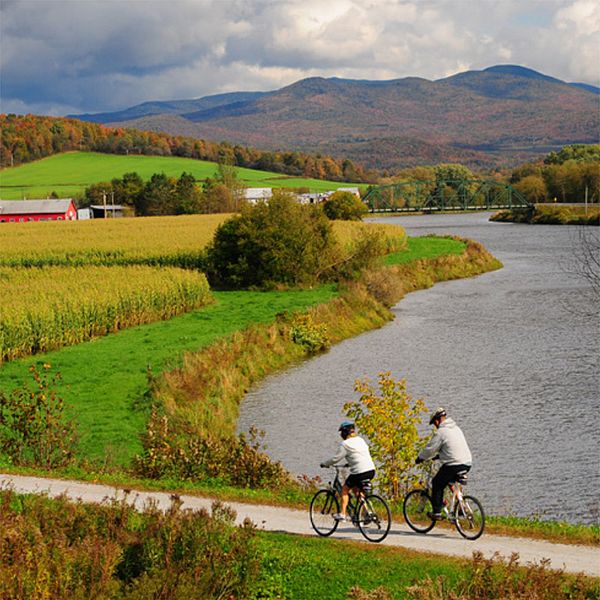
x=389 y=418
x=279 y=242
x=344 y=206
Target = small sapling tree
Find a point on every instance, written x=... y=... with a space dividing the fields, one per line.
x=34 y=429
x=389 y=417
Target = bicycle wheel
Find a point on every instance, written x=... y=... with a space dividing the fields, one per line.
x=469 y=518
x=417 y=504
x=322 y=508
x=374 y=518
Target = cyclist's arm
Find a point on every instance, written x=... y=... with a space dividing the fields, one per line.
x=340 y=455
x=432 y=448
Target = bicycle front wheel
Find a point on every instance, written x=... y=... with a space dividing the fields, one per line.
x=416 y=508
x=374 y=518
x=322 y=508
x=469 y=517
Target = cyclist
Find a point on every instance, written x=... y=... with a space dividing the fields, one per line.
x=362 y=468
x=449 y=443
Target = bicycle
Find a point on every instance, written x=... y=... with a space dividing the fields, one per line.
x=466 y=512
x=367 y=511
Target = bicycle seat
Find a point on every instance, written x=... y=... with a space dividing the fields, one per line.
x=461 y=477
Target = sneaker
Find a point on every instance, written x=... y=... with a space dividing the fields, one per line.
x=435 y=516
x=340 y=517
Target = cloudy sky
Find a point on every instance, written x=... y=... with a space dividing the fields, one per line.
x=73 y=56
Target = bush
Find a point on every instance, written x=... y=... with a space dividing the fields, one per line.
x=237 y=460
x=389 y=420
x=58 y=549
x=344 y=206
x=277 y=243
x=308 y=334
x=34 y=430
x=498 y=578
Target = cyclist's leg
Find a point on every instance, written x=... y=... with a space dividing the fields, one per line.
x=438 y=485
x=444 y=476
x=345 y=499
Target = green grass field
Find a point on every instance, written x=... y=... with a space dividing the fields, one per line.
x=426 y=247
x=316 y=568
x=70 y=173
x=104 y=381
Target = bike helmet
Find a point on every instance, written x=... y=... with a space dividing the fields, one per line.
x=438 y=414
x=346 y=428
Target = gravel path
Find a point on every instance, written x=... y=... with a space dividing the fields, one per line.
x=571 y=558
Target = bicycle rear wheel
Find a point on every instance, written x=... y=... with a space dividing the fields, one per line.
x=469 y=518
x=374 y=518
x=322 y=508
x=416 y=506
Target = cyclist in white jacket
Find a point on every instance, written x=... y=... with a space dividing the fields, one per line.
x=362 y=468
x=449 y=444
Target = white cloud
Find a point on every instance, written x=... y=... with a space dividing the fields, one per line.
x=97 y=55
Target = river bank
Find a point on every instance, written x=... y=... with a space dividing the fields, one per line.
x=510 y=354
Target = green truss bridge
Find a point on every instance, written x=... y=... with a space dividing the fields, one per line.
x=432 y=196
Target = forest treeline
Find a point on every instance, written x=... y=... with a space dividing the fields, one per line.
x=30 y=137
x=565 y=176
x=569 y=176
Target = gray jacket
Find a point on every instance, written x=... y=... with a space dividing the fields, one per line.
x=450 y=443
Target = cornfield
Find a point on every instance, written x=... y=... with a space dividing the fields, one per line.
x=393 y=236
x=174 y=241
x=46 y=309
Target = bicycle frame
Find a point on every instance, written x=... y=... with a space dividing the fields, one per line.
x=354 y=500
x=457 y=496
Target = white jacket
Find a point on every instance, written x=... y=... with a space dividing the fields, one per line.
x=450 y=443
x=356 y=452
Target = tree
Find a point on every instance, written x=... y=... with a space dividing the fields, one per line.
x=188 y=196
x=269 y=244
x=128 y=188
x=577 y=152
x=344 y=206
x=157 y=197
x=389 y=420
x=227 y=175
x=533 y=188
x=452 y=174
x=216 y=197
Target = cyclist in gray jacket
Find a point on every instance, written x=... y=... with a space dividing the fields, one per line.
x=449 y=444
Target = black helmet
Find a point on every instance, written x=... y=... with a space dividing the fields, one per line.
x=438 y=414
x=346 y=428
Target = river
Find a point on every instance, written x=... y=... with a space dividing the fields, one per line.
x=509 y=354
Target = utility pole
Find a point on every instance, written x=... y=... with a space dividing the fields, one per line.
x=112 y=195
x=104 y=202
x=586 y=199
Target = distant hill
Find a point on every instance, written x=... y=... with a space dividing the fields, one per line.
x=500 y=116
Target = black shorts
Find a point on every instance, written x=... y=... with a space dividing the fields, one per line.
x=357 y=479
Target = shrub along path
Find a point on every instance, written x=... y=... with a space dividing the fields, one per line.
x=571 y=558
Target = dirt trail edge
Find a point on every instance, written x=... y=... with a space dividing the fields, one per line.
x=571 y=558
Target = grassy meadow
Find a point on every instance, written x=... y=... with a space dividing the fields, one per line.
x=70 y=173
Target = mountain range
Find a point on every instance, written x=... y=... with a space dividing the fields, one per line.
x=500 y=116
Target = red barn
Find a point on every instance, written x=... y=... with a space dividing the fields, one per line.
x=20 y=211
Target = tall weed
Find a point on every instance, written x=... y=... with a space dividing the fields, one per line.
x=57 y=549
x=34 y=429
x=505 y=579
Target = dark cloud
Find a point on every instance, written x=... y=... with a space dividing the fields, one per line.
x=61 y=56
